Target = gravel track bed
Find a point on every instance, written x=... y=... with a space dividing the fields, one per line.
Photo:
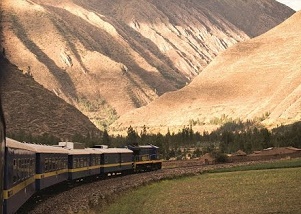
x=97 y=194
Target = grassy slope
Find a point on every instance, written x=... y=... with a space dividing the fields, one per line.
x=261 y=191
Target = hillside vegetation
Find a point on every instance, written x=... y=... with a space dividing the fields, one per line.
x=109 y=57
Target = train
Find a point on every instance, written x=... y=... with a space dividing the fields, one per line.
x=30 y=168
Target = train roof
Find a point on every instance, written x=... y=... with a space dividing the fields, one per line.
x=10 y=143
x=143 y=147
x=113 y=150
x=48 y=149
x=94 y=151
x=78 y=152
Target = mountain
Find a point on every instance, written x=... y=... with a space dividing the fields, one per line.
x=111 y=56
x=259 y=79
x=30 y=108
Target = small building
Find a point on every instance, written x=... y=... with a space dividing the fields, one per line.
x=239 y=153
x=207 y=159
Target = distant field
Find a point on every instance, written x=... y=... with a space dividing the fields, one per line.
x=254 y=191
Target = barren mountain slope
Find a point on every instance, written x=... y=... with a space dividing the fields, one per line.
x=30 y=108
x=108 y=57
x=257 y=78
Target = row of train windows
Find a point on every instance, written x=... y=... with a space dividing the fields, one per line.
x=80 y=162
x=23 y=168
x=83 y=162
x=55 y=163
x=116 y=159
x=95 y=161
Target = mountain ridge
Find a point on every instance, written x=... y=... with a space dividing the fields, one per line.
x=256 y=79
x=109 y=57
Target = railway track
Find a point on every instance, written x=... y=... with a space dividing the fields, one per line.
x=96 y=194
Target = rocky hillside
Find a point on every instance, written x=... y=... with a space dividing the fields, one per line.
x=30 y=108
x=108 y=57
x=258 y=79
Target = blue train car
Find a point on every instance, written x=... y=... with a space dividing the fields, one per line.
x=95 y=157
x=78 y=163
x=51 y=165
x=116 y=160
x=19 y=182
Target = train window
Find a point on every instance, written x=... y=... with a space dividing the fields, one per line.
x=49 y=164
x=62 y=163
x=15 y=172
x=31 y=167
x=46 y=166
x=54 y=164
x=93 y=162
x=14 y=164
x=65 y=163
x=27 y=167
x=81 y=162
x=59 y=163
x=19 y=169
x=22 y=168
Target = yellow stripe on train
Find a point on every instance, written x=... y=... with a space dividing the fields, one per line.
x=150 y=161
x=50 y=174
x=12 y=191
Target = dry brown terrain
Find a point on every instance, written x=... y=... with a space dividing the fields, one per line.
x=30 y=108
x=108 y=57
x=257 y=78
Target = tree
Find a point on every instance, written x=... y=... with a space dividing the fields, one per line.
x=106 y=138
x=143 y=135
x=132 y=137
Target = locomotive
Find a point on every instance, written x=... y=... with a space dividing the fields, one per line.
x=30 y=167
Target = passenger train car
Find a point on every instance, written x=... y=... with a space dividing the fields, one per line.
x=30 y=168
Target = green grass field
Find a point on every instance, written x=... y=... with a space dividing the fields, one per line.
x=254 y=191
